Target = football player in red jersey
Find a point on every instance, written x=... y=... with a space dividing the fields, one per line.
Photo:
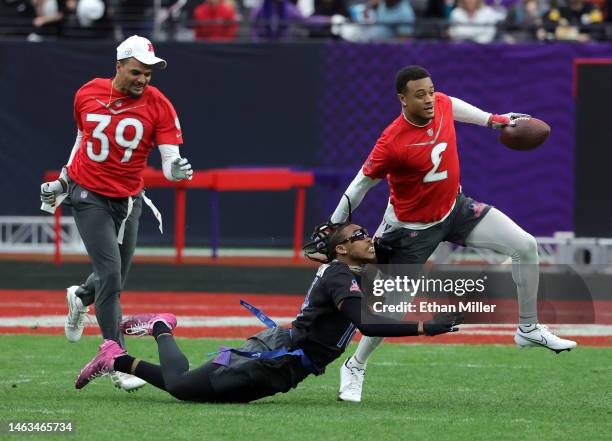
x=118 y=121
x=417 y=154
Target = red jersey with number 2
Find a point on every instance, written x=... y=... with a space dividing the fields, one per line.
x=421 y=165
x=117 y=139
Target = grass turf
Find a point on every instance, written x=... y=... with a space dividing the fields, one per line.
x=416 y=392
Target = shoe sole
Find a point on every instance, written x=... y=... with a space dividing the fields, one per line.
x=347 y=400
x=69 y=300
x=133 y=389
x=524 y=343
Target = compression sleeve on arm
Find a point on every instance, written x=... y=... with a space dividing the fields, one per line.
x=75 y=147
x=373 y=325
x=355 y=192
x=466 y=113
x=169 y=152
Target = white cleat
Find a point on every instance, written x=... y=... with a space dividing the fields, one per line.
x=539 y=335
x=351 y=382
x=76 y=314
x=127 y=382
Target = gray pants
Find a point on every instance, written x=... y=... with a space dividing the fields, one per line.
x=98 y=219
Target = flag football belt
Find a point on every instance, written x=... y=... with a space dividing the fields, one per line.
x=224 y=352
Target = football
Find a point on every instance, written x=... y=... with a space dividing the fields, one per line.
x=527 y=134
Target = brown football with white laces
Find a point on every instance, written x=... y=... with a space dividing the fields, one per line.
x=527 y=134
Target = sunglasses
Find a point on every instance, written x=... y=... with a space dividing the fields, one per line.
x=360 y=234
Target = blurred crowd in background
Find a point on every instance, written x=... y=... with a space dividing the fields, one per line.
x=481 y=21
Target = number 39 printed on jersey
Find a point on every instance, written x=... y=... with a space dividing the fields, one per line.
x=103 y=122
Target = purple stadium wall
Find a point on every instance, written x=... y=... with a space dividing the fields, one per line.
x=535 y=188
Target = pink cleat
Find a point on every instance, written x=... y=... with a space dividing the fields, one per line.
x=142 y=324
x=101 y=364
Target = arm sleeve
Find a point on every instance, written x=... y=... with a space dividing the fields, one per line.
x=466 y=113
x=169 y=152
x=355 y=192
x=76 y=146
x=373 y=325
x=168 y=128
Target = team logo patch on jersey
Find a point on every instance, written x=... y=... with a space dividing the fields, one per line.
x=354 y=286
x=430 y=132
x=477 y=208
x=84 y=194
x=118 y=103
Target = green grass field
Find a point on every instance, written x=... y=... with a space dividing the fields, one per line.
x=413 y=392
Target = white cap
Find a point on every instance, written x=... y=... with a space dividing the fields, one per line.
x=141 y=49
x=88 y=11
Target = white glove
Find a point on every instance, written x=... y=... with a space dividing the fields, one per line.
x=181 y=169
x=507 y=119
x=49 y=191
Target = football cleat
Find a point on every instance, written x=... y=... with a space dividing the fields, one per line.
x=351 y=382
x=101 y=364
x=73 y=327
x=127 y=382
x=142 y=324
x=539 y=335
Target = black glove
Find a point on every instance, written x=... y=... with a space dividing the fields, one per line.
x=443 y=323
x=383 y=251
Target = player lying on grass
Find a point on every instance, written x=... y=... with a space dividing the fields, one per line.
x=277 y=359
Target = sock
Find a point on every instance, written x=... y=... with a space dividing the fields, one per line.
x=123 y=363
x=160 y=327
x=151 y=373
x=367 y=345
x=352 y=363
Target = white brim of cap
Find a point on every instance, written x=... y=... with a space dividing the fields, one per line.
x=152 y=61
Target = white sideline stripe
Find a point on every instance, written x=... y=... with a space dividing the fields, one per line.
x=62 y=305
x=49 y=321
x=44 y=321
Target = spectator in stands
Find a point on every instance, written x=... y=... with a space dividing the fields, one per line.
x=135 y=17
x=48 y=20
x=272 y=18
x=86 y=19
x=573 y=20
x=394 y=18
x=216 y=21
x=472 y=20
x=330 y=7
x=327 y=18
x=16 y=18
x=524 y=22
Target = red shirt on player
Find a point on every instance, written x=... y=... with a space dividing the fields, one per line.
x=117 y=138
x=421 y=164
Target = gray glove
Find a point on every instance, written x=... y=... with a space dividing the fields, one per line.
x=50 y=190
x=181 y=169
x=507 y=119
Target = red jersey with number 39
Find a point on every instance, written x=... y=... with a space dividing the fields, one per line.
x=421 y=165
x=117 y=139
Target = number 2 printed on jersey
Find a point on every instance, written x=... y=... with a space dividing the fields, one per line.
x=436 y=158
